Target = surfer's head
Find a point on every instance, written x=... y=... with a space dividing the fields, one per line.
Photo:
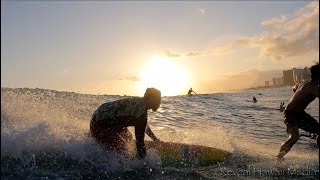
x=152 y=98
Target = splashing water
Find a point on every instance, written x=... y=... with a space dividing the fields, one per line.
x=44 y=135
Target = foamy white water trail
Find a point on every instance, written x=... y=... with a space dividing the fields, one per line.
x=44 y=135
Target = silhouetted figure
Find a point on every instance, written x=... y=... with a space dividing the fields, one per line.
x=191 y=91
x=295 y=115
x=109 y=122
x=282 y=107
x=254 y=99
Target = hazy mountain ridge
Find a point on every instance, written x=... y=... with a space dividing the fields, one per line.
x=241 y=81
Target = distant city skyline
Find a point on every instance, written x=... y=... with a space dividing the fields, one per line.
x=290 y=77
x=117 y=48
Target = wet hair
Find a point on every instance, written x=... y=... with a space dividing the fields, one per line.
x=315 y=71
x=152 y=92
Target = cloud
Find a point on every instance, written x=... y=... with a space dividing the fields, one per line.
x=66 y=70
x=275 y=23
x=289 y=35
x=174 y=54
x=171 y=53
x=286 y=36
x=202 y=10
x=218 y=51
x=130 y=78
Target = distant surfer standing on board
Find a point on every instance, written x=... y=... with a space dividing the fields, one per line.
x=109 y=122
x=295 y=116
x=191 y=91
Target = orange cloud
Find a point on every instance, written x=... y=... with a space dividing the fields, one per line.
x=286 y=36
x=173 y=54
x=130 y=78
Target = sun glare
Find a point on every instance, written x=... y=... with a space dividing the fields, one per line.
x=164 y=75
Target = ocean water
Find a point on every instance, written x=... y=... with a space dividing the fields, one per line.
x=44 y=136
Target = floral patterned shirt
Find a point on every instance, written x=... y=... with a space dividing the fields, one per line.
x=128 y=107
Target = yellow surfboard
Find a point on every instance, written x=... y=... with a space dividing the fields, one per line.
x=182 y=155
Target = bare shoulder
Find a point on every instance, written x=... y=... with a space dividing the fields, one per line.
x=312 y=87
x=310 y=84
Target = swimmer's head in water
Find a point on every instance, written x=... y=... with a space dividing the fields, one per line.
x=152 y=98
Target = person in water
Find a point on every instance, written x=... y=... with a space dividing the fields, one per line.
x=191 y=91
x=109 y=122
x=282 y=107
x=295 y=116
x=254 y=99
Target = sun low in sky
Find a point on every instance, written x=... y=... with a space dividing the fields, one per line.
x=161 y=73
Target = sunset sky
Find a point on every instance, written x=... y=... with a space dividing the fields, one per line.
x=110 y=47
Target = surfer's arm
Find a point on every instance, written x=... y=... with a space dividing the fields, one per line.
x=139 y=130
x=295 y=87
x=151 y=134
x=139 y=133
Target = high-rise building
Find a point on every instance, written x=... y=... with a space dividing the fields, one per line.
x=280 y=81
x=288 y=79
x=297 y=75
x=300 y=75
x=306 y=73
x=274 y=81
x=266 y=83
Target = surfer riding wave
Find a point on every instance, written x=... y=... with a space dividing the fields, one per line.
x=109 y=122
